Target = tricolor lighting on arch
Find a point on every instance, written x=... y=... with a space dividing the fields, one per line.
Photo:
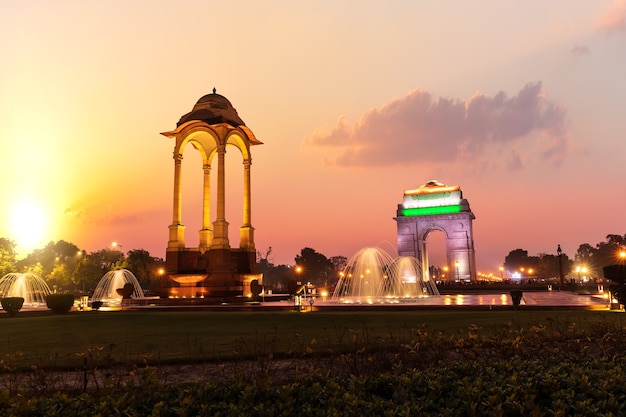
x=432 y=198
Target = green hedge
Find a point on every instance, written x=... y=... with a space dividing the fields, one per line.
x=12 y=305
x=60 y=303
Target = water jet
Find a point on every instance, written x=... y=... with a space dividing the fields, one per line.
x=373 y=276
x=106 y=290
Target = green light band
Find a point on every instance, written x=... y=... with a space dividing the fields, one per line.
x=429 y=211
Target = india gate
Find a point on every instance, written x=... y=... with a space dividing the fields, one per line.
x=435 y=206
x=217 y=267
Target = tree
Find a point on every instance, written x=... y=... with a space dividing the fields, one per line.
x=264 y=264
x=88 y=272
x=339 y=263
x=143 y=266
x=586 y=255
x=607 y=252
x=274 y=277
x=518 y=259
x=316 y=268
x=54 y=263
x=108 y=259
x=585 y=252
x=545 y=266
x=7 y=256
x=548 y=267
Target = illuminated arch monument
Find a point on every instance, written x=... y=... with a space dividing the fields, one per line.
x=214 y=268
x=435 y=206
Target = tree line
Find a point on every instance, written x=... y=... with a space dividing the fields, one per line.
x=66 y=267
x=589 y=261
x=310 y=267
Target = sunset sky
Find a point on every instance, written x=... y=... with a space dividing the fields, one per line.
x=521 y=103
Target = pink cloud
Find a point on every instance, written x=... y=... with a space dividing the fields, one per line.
x=418 y=128
x=614 y=19
x=580 y=50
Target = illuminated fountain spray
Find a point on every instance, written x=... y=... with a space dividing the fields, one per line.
x=106 y=290
x=31 y=287
x=372 y=276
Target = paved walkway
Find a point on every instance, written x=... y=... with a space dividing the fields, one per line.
x=564 y=298
x=530 y=299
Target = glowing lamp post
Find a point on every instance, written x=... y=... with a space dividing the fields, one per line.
x=298 y=273
x=559 y=252
x=297 y=299
x=161 y=272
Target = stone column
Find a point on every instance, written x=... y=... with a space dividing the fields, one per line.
x=246 y=193
x=177 y=230
x=206 y=234
x=246 y=232
x=220 y=225
x=178 y=180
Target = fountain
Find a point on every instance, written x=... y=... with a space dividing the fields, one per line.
x=106 y=290
x=373 y=276
x=31 y=287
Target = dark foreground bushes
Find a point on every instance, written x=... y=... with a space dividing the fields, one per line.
x=12 y=305
x=534 y=370
x=590 y=387
x=60 y=303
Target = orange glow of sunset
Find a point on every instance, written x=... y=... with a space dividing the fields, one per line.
x=29 y=223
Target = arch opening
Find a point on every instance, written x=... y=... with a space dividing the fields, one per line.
x=436 y=256
x=191 y=205
x=234 y=193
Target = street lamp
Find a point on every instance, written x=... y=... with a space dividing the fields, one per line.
x=456 y=264
x=502 y=273
x=559 y=252
x=79 y=259
x=298 y=270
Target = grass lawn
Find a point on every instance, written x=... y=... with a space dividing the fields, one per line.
x=167 y=336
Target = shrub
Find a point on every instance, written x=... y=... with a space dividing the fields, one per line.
x=12 y=304
x=60 y=303
x=95 y=305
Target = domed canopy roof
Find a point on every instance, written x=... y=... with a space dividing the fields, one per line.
x=213 y=108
